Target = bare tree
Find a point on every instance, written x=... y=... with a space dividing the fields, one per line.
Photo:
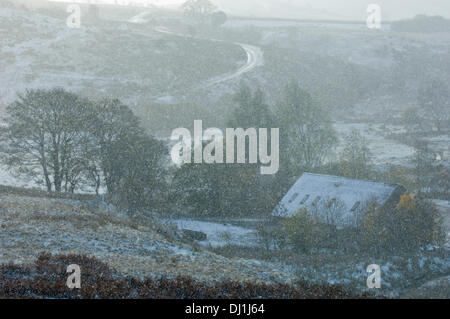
x=113 y=121
x=43 y=128
x=198 y=9
x=413 y=120
x=435 y=103
x=356 y=157
x=307 y=135
x=423 y=164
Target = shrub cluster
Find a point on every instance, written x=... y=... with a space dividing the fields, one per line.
x=47 y=279
x=413 y=223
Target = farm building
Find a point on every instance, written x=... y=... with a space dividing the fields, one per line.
x=336 y=200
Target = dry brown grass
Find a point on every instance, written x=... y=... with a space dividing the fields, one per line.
x=47 y=279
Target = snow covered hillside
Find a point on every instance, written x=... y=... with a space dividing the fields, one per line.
x=39 y=51
x=140 y=247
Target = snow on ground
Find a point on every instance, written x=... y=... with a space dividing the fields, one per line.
x=384 y=151
x=37 y=51
x=441 y=145
x=9 y=179
x=219 y=234
x=140 y=247
x=20 y=51
x=167 y=99
x=396 y=272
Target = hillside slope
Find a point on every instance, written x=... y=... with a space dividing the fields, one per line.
x=139 y=246
x=120 y=59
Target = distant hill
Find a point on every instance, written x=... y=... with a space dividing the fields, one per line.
x=422 y=23
x=6 y=4
x=40 y=51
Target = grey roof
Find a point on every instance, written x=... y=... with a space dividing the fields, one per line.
x=336 y=199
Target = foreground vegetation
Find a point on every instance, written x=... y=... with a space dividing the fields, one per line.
x=404 y=274
x=47 y=279
x=412 y=224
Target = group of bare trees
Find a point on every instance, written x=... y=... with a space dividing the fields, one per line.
x=429 y=116
x=306 y=138
x=432 y=110
x=68 y=141
x=46 y=131
x=204 y=11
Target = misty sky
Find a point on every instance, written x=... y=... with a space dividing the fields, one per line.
x=338 y=9
x=321 y=9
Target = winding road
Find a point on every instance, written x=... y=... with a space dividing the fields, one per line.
x=255 y=56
